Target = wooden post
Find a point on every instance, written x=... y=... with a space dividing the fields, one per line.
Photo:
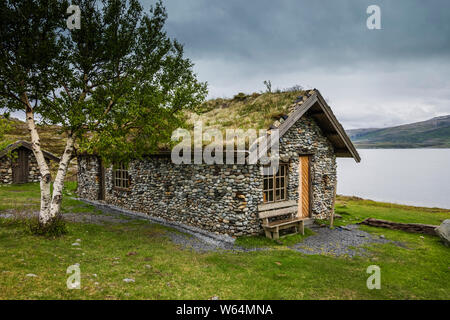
x=332 y=209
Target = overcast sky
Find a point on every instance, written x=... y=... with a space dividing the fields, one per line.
x=371 y=78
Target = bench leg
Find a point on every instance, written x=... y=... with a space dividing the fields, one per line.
x=276 y=234
x=268 y=234
x=302 y=227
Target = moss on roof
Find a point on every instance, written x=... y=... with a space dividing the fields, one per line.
x=253 y=111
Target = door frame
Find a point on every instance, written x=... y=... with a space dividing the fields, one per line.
x=101 y=182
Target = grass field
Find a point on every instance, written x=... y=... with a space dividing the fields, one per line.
x=109 y=253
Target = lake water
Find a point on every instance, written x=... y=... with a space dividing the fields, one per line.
x=418 y=177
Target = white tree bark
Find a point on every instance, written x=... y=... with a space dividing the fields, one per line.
x=44 y=214
x=59 y=180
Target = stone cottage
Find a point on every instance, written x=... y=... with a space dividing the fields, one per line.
x=226 y=198
x=18 y=164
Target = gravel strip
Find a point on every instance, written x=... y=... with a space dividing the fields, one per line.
x=340 y=241
x=208 y=238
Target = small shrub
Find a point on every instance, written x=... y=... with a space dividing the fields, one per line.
x=268 y=85
x=240 y=96
x=54 y=228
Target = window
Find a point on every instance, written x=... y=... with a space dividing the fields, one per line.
x=275 y=186
x=121 y=179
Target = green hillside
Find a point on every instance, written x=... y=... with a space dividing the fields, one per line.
x=433 y=133
x=51 y=138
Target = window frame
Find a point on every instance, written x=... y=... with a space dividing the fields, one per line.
x=121 y=176
x=276 y=184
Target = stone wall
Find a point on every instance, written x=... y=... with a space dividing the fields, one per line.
x=306 y=137
x=33 y=169
x=5 y=170
x=217 y=198
x=6 y=173
x=88 y=176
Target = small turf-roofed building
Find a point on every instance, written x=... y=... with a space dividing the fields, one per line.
x=18 y=164
x=232 y=198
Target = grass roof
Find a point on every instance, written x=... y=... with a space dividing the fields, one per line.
x=253 y=111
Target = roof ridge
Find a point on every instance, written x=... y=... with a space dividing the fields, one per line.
x=28 y=145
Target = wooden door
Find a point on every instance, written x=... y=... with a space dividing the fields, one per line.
x=20 y=167
x=304 y=186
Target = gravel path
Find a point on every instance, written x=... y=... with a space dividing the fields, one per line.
x=340 y=241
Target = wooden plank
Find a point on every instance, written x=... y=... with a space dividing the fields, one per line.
x=300 y=189
x=297 y=114
x=303 y=187
x=276 y=205
x=279 y=223
x=408 y=227
x=332 y=207
x=293 y=117
x=338 y=127
x=278 y=212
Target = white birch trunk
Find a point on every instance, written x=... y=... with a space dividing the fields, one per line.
x=59 y=180
x=44 y=214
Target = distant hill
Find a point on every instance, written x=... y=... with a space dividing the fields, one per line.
x=51 y=138
x=433 y=133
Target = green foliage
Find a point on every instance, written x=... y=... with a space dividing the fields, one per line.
x=4 y=128
x=30 y=50
x=54 y=228
x=240 y=96
x=119 y=84
x=30 y=225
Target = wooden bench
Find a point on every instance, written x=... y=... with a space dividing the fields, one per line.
x=278 y=209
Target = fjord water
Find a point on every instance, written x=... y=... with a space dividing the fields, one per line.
x=419 y=177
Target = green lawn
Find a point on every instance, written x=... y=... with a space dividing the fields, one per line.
x=420 y=269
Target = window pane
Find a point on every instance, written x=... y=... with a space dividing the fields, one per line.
x=270 y=196
x=270 y=184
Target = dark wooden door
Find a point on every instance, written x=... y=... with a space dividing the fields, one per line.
x=20 y=166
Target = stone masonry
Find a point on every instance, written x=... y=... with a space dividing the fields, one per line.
x=217 y=198
x=6 y=173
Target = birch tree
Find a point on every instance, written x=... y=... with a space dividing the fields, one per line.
x=117 y=86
